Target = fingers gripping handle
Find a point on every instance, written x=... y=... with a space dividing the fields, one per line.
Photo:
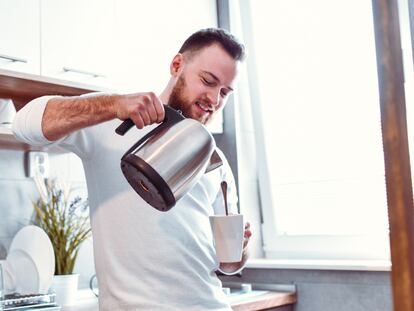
x=171 y=116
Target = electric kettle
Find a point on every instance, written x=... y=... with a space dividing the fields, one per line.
x=168 y=161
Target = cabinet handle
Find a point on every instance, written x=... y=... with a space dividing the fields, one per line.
x=13 y=59
x=88 y=73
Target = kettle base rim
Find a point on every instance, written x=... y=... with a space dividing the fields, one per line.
x=147 y=183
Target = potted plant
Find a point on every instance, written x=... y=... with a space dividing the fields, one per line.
x=66 y=222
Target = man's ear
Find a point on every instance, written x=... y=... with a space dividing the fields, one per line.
x=177 y=64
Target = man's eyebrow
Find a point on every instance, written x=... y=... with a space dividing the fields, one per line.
x=215 y=78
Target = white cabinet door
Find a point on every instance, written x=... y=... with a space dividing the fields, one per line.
x=20 y=35
x=77 y=40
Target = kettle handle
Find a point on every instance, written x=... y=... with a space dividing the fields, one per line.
x=172 y=116
x=124 y=127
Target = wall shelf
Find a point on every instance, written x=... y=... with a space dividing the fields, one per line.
x=22 y=88
x=9 y=142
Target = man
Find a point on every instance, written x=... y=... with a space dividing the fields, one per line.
x=146 y=259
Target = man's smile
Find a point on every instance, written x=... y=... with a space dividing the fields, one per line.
x=204 y=107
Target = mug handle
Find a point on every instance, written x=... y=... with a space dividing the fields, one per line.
x=94 y=291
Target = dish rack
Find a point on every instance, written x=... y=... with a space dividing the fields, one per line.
x=36 y=302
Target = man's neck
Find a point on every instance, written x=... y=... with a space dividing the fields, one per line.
x=165 y=96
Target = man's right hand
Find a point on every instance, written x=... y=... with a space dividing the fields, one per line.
x=142 y=108
x=64 y=115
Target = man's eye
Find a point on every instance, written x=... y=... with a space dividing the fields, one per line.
x=224 y=94
x=207 y=82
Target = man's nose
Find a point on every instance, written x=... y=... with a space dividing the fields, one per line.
x=214 y=97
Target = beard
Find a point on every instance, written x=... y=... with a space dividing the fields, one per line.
x=179 y=101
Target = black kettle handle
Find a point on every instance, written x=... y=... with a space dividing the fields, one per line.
x=124 y=127
x=172 y=116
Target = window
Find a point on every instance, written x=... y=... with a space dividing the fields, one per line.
x=320 y=118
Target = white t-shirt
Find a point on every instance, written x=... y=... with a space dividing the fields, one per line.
x=145 y=259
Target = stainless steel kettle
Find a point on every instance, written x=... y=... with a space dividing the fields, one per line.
x=168 y=161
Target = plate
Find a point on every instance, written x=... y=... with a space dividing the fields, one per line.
x=25 y=273
x=34 y=241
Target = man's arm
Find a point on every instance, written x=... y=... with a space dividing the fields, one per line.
x=64 y=115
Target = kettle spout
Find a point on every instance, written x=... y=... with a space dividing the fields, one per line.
x=215 y=162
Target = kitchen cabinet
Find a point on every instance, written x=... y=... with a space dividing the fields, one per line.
x=125 y=46
x=77 y=40
x=68 y=40
x=20 y=35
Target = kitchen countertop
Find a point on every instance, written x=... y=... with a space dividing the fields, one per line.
x=254 y=300
x=262 y=301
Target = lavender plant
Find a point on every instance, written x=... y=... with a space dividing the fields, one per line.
x=65 y=221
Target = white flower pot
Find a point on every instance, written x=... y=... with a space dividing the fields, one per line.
x=65 y=287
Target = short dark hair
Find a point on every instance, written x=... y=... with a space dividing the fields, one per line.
x=206 y=37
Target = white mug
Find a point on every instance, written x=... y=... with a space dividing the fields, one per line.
x=228 y=235
x=7 y=112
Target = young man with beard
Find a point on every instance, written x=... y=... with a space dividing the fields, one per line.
x=146 y=259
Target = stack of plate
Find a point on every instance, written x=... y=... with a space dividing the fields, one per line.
x=31 y=302
x=30 y=262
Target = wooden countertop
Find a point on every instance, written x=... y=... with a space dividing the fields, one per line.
x=270 y=299
x=265 y=301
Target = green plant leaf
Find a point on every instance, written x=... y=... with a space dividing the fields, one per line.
x=64 y=223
